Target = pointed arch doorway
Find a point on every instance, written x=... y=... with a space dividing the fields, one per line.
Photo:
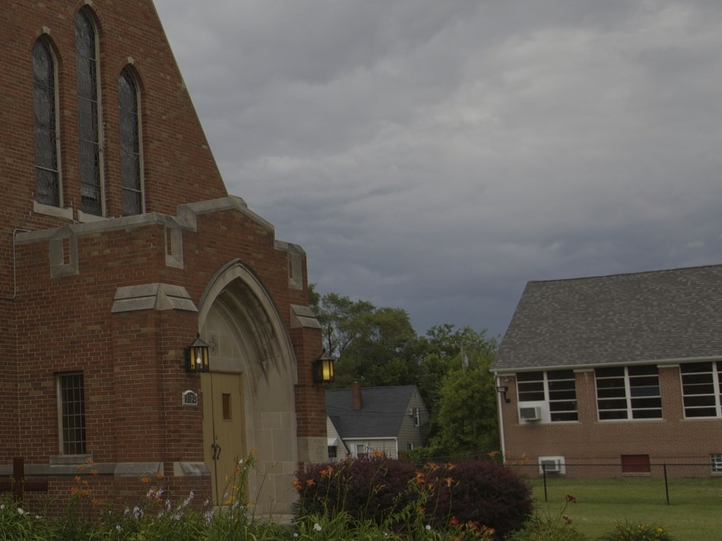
x=249 y=396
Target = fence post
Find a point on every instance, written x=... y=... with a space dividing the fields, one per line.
x=666 y=484
x=544 y=476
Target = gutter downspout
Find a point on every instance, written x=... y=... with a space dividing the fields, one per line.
x=499 y=406
x=15 y=270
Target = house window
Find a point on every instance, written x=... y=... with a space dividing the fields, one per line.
x=562 y=392
x=130 y=154
x=416 y=413
x=71 y=412
x=636 y=464
x=701 y=389
x=89 y=121
x=361 y=450
x=628 y=392
x=716 y=462
x=47 y=170
x=332 y=452
x=557 y=388
x=530 y=386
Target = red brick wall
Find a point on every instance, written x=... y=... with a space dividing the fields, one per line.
x=672 y=439
x=132 y=362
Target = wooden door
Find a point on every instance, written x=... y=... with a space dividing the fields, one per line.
x=223 y=429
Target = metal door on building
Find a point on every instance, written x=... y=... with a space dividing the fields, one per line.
x=223 y=430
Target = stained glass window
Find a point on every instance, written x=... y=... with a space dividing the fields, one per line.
x=130 y=156
x=47 y=183
x=88 y=115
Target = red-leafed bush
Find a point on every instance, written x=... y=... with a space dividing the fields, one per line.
x=365 y=488
x=394 y=493
x=480 y=492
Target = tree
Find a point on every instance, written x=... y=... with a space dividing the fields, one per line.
x=450 y=365
x=459 y=390
x=467 y=420
x=377 y=346
x=447 y=348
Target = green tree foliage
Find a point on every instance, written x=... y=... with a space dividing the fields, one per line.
x=446 y=348
x=466 y=419
x=450 y=365
x=377 y=346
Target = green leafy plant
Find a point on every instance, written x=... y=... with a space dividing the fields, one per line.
x=637 y=531
x=550 y=526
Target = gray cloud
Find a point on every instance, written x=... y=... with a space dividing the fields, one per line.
x=435 y=156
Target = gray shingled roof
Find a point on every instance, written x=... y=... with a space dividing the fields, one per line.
x=661 y=315
x=380 y=416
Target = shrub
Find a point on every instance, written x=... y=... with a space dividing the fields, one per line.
x=364 y=488
x=482 y=492
x=631 y=531
x=391 y=492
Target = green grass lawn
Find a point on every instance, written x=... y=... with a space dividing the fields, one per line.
x=694 y=513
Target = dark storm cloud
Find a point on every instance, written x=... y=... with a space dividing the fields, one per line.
x=437 y=155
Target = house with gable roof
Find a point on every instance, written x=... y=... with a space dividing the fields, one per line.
x=385 y=420
x=624 y=368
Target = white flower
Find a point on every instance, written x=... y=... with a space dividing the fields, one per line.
x=117 y=527
x=20 y=511
x=317 y=527
x=295 y=534
x=428 y=526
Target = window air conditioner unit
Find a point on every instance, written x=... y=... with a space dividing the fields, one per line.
x=530 y=414
x=551 y=464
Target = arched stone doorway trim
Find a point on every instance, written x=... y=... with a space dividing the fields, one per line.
x=239 y=291
x=250 y=347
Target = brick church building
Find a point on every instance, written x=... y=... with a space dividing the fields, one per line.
x=120 y=245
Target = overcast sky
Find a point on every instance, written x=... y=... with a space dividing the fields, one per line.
x=436 y=155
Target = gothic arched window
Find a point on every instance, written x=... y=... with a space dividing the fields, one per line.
x=47 y=170
x=89 y=115
x=130 y=143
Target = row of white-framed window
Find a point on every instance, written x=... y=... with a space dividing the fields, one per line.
x=48 y=176
x=625 y=392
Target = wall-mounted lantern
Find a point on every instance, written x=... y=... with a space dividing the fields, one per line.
x=323 y=368
x=502 y=389
x=197 y=356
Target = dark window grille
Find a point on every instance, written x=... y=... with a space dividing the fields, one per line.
x=556 y=387
x=72 y=414
x=702 y=389
x=530 y=386
x=561 y=387
x=628 y=393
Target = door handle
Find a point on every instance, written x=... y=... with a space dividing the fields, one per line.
x=216 y=451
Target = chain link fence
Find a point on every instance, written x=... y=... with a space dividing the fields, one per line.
x=670 y=484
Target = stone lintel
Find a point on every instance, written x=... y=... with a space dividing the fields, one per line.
x=156 y=296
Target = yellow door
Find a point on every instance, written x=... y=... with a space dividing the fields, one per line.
x=223 y=430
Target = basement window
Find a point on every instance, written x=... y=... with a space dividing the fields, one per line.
x=716 y=462
x=636 y=464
